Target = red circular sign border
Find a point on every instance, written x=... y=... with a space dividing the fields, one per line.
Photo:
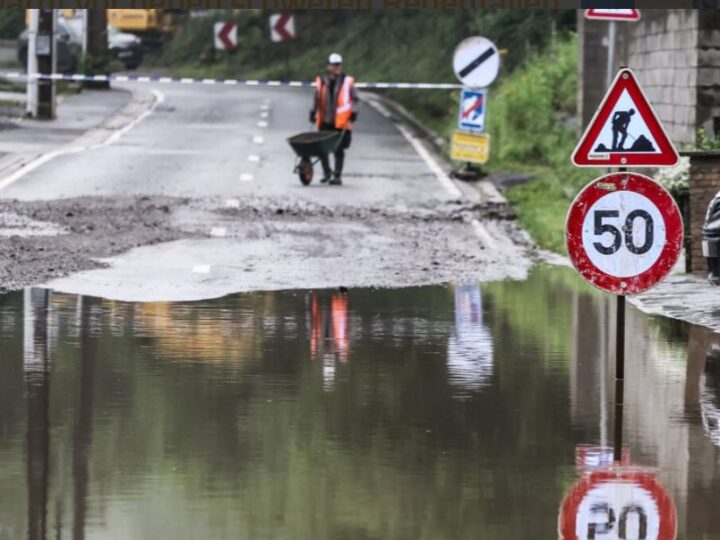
x=642 y=185
x=567 y=520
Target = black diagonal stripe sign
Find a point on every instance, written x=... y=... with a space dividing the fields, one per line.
x=464 y=72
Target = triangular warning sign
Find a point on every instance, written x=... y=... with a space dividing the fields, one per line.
x=625 y=132
x=613 y=14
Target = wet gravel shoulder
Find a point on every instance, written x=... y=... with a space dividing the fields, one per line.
x=42 y=241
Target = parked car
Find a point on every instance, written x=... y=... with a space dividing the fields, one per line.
x=124 y=47
x=68 y=47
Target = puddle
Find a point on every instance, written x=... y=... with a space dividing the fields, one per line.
x=431 y=412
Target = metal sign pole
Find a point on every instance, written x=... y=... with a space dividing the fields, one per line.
x=612 y=33
x=32 y=64
x=619 y=371
x=619 y=377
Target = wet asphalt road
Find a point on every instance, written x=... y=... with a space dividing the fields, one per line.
x=234 y=217
x=222 y=142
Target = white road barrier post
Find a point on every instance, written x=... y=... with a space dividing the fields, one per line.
x=32 y=64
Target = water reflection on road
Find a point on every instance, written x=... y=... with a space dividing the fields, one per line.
x=438 y=412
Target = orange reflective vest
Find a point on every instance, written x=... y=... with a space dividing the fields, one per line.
x=343 y=109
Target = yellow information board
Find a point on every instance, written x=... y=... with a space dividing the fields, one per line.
x=471 y=147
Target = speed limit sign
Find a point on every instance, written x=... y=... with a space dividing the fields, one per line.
x=624 y=233
x=618 y=504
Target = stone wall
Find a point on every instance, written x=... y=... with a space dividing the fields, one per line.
x=662 y=50
x=704 y=184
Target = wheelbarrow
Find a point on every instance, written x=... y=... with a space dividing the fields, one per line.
x=311 y=147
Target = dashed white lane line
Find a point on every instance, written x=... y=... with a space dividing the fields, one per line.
x=201 y=269
x=262 y=124
x=259 y=139
x=265 y=107
x=253 y=158
x=219 y=232
x=42 y=160
x=433 y=165
x=482 y=233
x=245 y=177
x=232 y=203
x=264 y=114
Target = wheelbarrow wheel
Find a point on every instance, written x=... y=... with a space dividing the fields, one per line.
x=305 y=171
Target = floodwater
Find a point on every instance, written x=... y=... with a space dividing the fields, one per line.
x=459 y=412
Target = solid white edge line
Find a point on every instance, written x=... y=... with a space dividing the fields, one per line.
x=42 y=160
x=433 y=165
x=482 y=233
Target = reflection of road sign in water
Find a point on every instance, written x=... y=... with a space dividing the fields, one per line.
x=470 y=147
x=624 y=233
x=476 y=62
x=471 y=116
x=625 y=131
x=618 y=503
x=593 y=458
x=613 y=14
x=470 y=348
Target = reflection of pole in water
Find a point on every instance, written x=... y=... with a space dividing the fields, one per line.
x=470 y=348
x=82 y=437
x=37 y=385
x=619 y=377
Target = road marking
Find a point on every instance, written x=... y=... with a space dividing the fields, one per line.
x=433 y=165
x=233 y=203
x=482 y=233
x=246 y=177
x=262 y=124
x=265 y=107
x=258 y=139
x=253 y=158
x=42 y=160
x=264 y=114
x=220 y=232
x=201 y=269
x=379 y=107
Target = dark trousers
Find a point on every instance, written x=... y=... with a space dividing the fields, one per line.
x=339 y=152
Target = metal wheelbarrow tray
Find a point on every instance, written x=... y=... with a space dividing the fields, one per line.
x=310 y=147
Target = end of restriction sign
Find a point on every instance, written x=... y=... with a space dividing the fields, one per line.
x=624 y=233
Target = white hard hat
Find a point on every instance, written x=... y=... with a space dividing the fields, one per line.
x=335 y=58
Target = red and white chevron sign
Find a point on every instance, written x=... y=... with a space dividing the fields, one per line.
x=225 y=36
x=282 y=27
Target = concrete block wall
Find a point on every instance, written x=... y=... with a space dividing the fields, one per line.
x=662 y=50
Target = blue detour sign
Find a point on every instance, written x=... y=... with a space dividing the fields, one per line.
x=471 y=116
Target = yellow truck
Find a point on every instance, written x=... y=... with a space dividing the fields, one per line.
x=150 y=25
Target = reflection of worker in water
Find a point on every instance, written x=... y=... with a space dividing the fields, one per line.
x=329 y=338
x=620 y=123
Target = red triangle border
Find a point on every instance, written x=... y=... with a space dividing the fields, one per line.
x=667 y=156
x=634 y=16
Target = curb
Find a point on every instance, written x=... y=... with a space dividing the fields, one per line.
x=487 y=190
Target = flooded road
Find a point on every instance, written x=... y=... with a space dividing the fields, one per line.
x=423 y=413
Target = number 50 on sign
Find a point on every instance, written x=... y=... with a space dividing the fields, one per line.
x=624 y=233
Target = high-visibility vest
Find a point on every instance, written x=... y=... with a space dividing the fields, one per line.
x=343 y=109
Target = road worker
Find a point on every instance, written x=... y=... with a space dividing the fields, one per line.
x=334 y=109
